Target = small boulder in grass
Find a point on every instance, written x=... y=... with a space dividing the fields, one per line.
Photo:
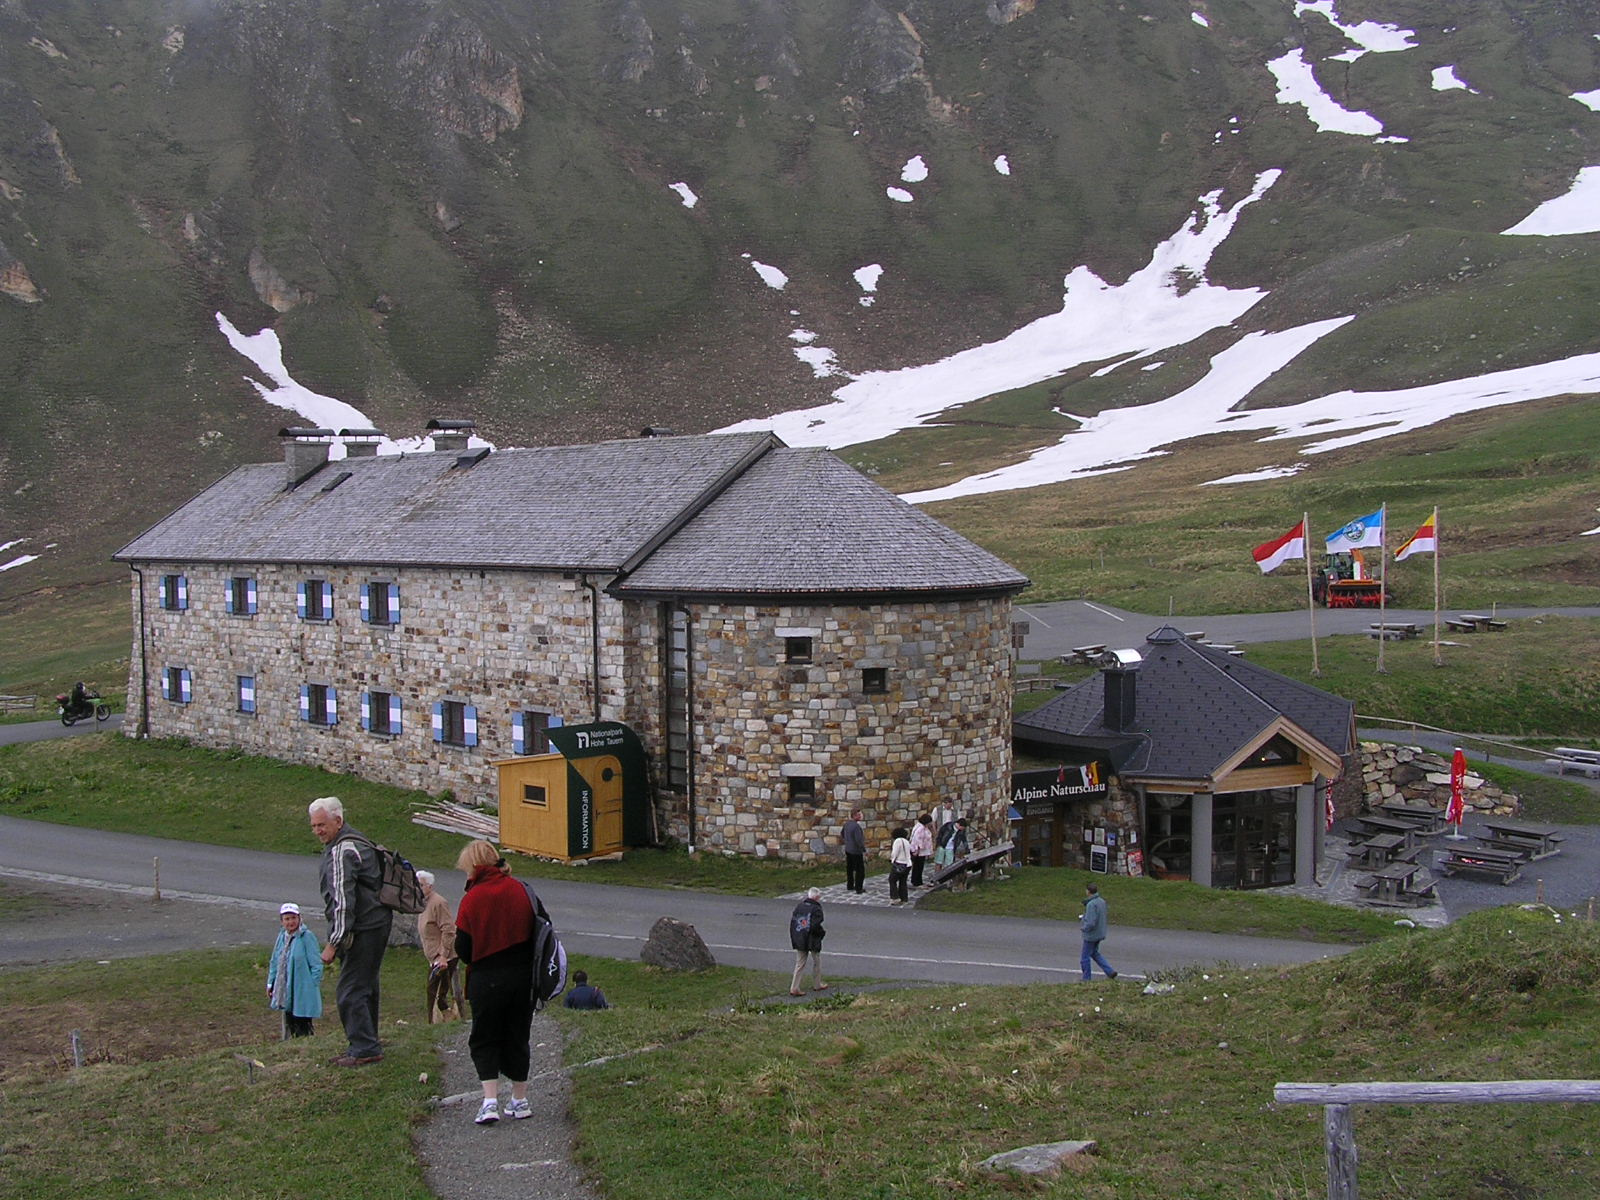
x=675 y=945
x=1043 y=1161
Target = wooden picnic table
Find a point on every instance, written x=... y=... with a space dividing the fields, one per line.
x=1379 y=849
x=1424 y=817
x=1578 y=753
x=1506 y=865
x=1478 y=621
x=1539 y=841
x=979 y=862
x=1083 y=654
x=1370 y=825
x=1390 y=883
x=1577 y=761
x=1392 y=630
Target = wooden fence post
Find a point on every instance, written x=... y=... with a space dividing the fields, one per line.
x=1342 y=1156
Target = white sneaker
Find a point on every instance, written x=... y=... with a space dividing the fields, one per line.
x=488 y=1113
x=518 y=1110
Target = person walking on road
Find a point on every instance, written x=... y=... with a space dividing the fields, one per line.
x=805 y=935
x=855 y=854
x=1093 y=925
x=294 y=975
x=358 y=927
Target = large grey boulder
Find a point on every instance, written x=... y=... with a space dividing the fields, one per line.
x=675 y=945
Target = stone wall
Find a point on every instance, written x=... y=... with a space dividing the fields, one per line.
x=938 y=734
x=502 y=642
x=1391 y=773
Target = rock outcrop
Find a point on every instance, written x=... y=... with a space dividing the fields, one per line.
x=1413 y=775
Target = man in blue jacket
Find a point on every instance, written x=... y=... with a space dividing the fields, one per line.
x=1093 y=926
x=358 y=927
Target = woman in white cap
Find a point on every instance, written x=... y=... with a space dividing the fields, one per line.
x=294 y=974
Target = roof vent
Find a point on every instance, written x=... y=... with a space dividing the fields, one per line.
x=471 y=460
x=656 y=431
x=360 y=443
x=305 y=451
x=451 y=435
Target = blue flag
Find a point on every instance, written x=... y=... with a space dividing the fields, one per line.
x=1363 y=531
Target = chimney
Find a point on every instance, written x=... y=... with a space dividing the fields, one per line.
x=360 y=443
x=305 y=451
x=451 y=435
x=1121 y=678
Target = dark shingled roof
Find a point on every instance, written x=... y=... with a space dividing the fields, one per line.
x=801 y=521
x=718 y=513
x=1195 y=708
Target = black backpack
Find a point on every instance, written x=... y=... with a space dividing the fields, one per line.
x=549 y=955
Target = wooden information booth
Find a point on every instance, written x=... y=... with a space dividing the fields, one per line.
x=587 y=798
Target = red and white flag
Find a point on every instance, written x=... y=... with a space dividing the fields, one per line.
x=1327 y=806
x=1423 y=541
x=1273 y=554
x=1458 y=775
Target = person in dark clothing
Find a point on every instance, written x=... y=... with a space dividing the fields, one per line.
x=494 y=939
x=854 y=840
x=358 y=927
x=584 y=994
x=805 y=935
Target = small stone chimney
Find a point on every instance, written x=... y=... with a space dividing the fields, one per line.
x=451 y=435
x=1121 y=677
x=360 y=443
x=305 y=451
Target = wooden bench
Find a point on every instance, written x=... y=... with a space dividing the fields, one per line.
x=18 y=703
x=1425 y=817
x=1460 y=625
x=1083 y=654
x=1502 y=864
x=1574 y=766
x=1533 y=841
x=1392 y=630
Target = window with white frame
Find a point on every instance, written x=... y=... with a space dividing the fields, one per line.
x=245 y=692
x=177 y=685
x=241 y=596
x=380 y=603
x=380 y=712
x=314 y=600
x=319 y=704
x=530 y=731
x=455 y=723
x=172 y=592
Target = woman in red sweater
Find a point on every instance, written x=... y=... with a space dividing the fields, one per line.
x=494 y=938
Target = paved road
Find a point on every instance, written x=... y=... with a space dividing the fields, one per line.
x=38 y=731
x=215 y=895
x=1055 y=628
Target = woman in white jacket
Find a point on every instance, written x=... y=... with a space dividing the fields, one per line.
x=899 y=866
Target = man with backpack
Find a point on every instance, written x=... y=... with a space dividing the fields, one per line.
x=805 y=935
x=358 y=927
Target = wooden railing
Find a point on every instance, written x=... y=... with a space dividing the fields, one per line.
x=1336 y=1099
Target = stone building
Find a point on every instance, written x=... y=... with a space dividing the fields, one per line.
x=788 y=639
x=1204 y=767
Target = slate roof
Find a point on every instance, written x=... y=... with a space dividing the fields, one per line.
x=1195 y=708
x=723 y=513
x=800 y=521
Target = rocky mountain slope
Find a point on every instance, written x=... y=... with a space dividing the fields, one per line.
x=571 y=220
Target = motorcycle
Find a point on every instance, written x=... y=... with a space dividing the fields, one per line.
x=72 y=710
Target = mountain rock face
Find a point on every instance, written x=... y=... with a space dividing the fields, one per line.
x=545 y=214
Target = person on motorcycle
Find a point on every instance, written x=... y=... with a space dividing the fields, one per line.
x=80 y=697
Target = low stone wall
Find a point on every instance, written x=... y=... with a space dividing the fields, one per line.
x=1411 y=774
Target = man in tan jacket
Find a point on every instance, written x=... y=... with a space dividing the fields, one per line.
x=437 y=929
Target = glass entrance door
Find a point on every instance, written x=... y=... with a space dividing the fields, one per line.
x=1253 y=840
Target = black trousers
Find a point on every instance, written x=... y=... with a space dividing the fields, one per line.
x=897 y=882
x=855 y=872
x=917 y=863
x=502 y=1020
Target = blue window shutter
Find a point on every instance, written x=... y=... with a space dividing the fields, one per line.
x=394 y=712
x=305 y=703
x=333 y=707
x=366 y=602
x=366 y=710
x=519 y=743
x=183 y=591
x=166 y=685
x=300 y=598
x=250 y=595
x=185 y=686
x=327 y=600
x=394 y=603
x=553 y=721
x=247 y=693
x=469 y=725
x=227 y=597
x=438 y=721
x=161 y=592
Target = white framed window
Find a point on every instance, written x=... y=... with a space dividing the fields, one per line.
x=177 y=685
x=172 y=591
x=455 y=723
x=241 y=596
x=314 y=600
x=319 y=704
x=530 y=731
x=245 y=692
x=380 y=603
x=380 y=712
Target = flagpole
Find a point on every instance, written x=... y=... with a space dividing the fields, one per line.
x=1311 y=599
x=1438 y=659
x=1383 y=583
